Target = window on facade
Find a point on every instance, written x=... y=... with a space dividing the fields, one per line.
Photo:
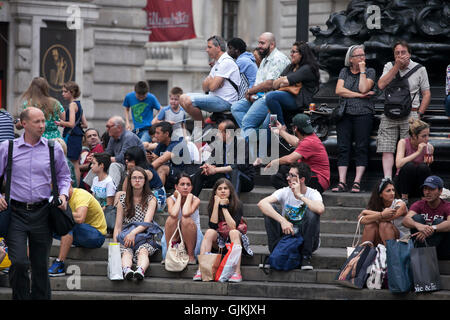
x=230 y=19
x=160 y=90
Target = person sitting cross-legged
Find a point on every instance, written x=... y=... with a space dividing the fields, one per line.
x=89 y=231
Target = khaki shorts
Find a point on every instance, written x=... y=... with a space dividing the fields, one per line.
x=390 y=131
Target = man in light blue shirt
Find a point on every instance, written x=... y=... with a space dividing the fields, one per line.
x=245 y=60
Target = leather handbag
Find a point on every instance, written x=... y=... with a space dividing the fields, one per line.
x=295 y=89
x=61 y=221
x=176 y=257
x=5 y=215
x=224 y=229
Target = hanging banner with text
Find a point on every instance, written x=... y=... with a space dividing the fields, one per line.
x=170 y=20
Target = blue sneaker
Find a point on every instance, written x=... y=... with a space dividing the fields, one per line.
x=57 y=269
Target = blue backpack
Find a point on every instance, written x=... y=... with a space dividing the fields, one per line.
x=286 y=254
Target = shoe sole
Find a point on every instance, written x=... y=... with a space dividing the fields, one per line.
x=56 y=274
x=235 y=281
x=129 y=276
x=307 y=268
x=197 y=279
x=138 y=276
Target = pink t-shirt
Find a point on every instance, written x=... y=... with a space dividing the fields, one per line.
x=430 y=214
x=315 y=156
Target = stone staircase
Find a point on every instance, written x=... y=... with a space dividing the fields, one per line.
x=338 y=225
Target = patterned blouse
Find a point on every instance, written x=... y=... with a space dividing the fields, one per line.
x=51 y=129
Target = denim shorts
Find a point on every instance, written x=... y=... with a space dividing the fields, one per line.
x=209 y=102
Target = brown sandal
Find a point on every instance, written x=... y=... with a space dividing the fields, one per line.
x=341 y=187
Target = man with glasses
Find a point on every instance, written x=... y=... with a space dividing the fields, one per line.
x=301 y=208
x=217 y=86
x=309 y=149
x=391 y=130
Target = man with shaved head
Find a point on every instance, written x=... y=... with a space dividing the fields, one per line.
x=29 y=199
x=252 y=111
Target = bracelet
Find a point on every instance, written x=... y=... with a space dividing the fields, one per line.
x=363 y=72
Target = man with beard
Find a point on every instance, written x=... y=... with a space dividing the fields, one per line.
x=246 y=111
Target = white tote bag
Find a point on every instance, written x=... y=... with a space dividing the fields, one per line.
x=114 y=262
x=176 y=257
x=355 y=242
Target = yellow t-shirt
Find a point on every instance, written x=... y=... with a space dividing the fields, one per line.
x=95 y=216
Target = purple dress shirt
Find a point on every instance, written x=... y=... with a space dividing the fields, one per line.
x=31 y=175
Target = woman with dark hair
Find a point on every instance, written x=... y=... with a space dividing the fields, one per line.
x=37 y=95
x=134 y=156
x=384 y=215
x=354 y=89
x=413 y=159
x=183 y=207
x=303 y=70
x=224 y=206
x=136 y=205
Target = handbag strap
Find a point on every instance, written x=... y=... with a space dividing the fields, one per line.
x=51 y=147
x=173 y=235
x=357 y=232
x=9 y=171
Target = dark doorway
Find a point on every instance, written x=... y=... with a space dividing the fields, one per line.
x=3 y=62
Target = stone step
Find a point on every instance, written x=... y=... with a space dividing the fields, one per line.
x=255 y=289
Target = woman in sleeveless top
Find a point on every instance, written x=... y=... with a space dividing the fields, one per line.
x=37 y=95
x=183 y=206
x=383 y=217
x=74 y=121
x=413 y=159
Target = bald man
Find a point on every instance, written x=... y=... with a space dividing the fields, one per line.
x=29 y=198
x=250 y=113
x=121 y=140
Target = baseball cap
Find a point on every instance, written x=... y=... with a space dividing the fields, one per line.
x=303 y=122
x=433 y=182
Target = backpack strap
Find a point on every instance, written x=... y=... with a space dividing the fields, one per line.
x=51 y=148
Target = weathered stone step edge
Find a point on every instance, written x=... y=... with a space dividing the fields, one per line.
x=5 y=294
x=249 y=273
x=245 y=288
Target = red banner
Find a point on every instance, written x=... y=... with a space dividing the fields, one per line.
x=170 y=20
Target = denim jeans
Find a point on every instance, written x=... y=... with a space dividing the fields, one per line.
x=144 y=135
x=447 y=105
x=277 y=101
x=85 y=236
x=209 y=102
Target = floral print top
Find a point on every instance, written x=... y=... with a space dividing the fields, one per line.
x=51 y=129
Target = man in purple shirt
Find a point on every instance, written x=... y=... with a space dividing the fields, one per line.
x=30 y=191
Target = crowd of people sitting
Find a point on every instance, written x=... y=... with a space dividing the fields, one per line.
x=149 y=163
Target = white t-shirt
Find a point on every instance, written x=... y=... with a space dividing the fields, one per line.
x=103 y=189
x=226 y=68
x=293 y=208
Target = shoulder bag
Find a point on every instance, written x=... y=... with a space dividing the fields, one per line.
x=61 y=221
x=295 y=89
x=5 y=215
x=176 y=257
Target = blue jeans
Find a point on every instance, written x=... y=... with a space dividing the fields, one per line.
x=85 y=236
x=143 y=134
x=447 y=105
x=209 y=102
x=279 y=100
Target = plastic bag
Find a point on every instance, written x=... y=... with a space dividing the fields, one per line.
x=114 y=262
x=231 y=263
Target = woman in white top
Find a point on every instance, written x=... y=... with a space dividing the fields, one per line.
x=183 y=206
x=384 y=215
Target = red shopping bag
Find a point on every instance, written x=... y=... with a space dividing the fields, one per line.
x=223 y=262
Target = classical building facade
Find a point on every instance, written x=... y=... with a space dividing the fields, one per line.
x=102 y=45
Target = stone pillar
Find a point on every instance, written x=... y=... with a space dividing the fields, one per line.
x=119 y=54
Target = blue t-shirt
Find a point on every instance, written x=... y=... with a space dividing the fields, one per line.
x=141 y=110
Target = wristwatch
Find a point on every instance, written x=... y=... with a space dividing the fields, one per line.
x=363 y=72
x=434 y=227
x=223 y=206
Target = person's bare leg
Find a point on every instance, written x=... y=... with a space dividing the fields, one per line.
x=189 y=231
x=143 y=261
x=66 y=242
x=388 y=163
x=235 y=237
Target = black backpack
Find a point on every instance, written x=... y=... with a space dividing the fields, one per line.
x=397 y=97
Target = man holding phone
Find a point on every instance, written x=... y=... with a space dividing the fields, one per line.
x=309 y=149
x=301 y=210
